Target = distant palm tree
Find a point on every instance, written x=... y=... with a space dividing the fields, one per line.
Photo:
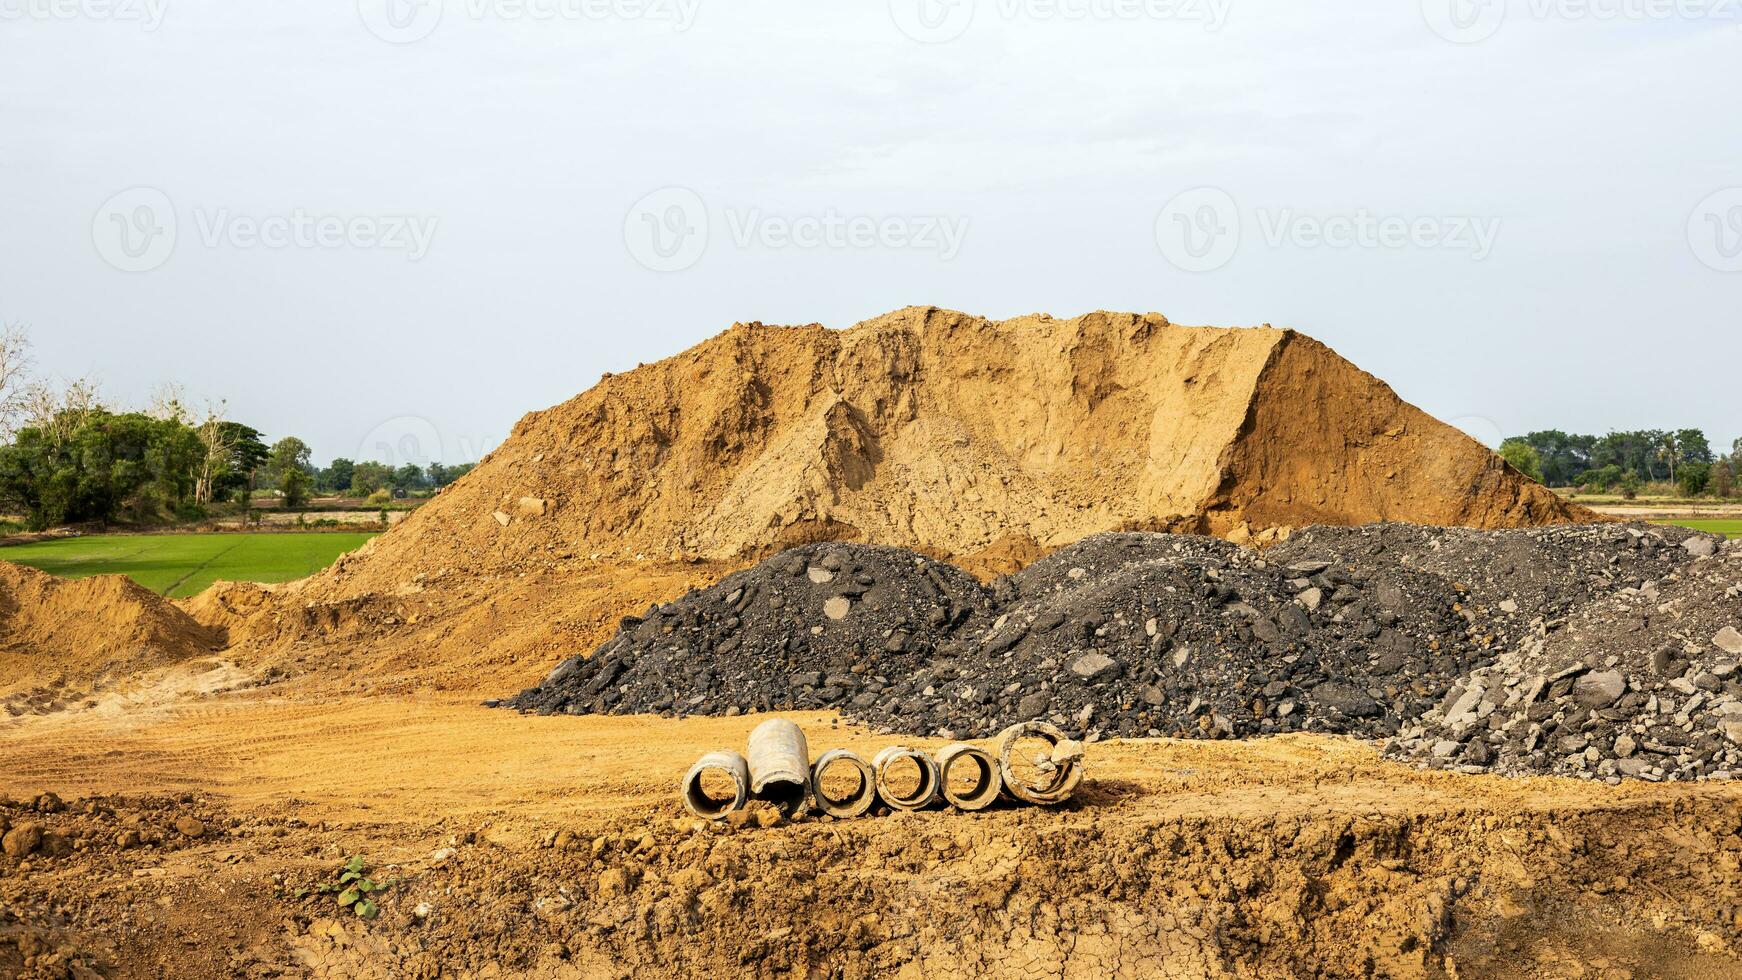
x=1670 y=450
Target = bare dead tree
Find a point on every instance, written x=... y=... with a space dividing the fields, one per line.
x=59 y=412
x=14 y=376
x=217 y=438
x=168 y=403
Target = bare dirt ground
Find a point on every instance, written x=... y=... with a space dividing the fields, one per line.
x=526 y=846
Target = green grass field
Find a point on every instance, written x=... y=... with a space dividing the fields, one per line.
x=1728 y=528
x=179 y=565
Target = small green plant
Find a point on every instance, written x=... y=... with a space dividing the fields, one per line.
x=353 y=890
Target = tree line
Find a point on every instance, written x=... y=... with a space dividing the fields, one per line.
x=67 y=456
x=1626 y=461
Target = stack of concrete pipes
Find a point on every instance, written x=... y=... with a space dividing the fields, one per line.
x=776 y=767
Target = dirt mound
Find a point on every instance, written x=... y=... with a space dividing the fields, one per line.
x=66 y=638
x=956 y=436
x=1350 y=630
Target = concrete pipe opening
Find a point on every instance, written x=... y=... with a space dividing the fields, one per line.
x=716 y=785
x=968 y=776
x=1039 y=764
x=780 y=768
x=907 y=778
x=843 y=784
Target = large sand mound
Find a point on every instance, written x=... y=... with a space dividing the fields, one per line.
x=74 y=634
x=958 y=435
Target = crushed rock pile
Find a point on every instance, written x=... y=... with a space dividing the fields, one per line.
x=1368 y=631
x=813 y=627
x=1643 y=682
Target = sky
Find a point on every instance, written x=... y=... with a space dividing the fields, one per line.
x=392 y=227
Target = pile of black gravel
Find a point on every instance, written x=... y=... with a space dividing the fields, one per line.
x=823 y=625
x=1367 y=630
x=1152 y=634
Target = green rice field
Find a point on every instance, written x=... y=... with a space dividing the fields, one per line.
x=179 y=565
x=1728 y=528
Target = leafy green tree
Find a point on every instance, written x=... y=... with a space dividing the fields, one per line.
x=1692 y=446
x=369 y=476
x=1565 y=458
x=1603 y=479
x=1692 y=479
x=1723 y=477
x=294 y=485
x=248 y=453
x=92 y=469
x=408 y=477
x=289 y=453
x=1522 y=457
x=337 y=476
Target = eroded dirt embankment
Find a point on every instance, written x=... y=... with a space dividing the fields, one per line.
x=549 y=847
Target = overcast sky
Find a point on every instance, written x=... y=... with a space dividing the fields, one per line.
x=384 y=224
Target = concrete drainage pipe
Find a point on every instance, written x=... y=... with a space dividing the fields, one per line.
x=893 y=785
x=717 y=768
x=1038 y=763
x=780 y=769
x=857 y=800
x=981 y=783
